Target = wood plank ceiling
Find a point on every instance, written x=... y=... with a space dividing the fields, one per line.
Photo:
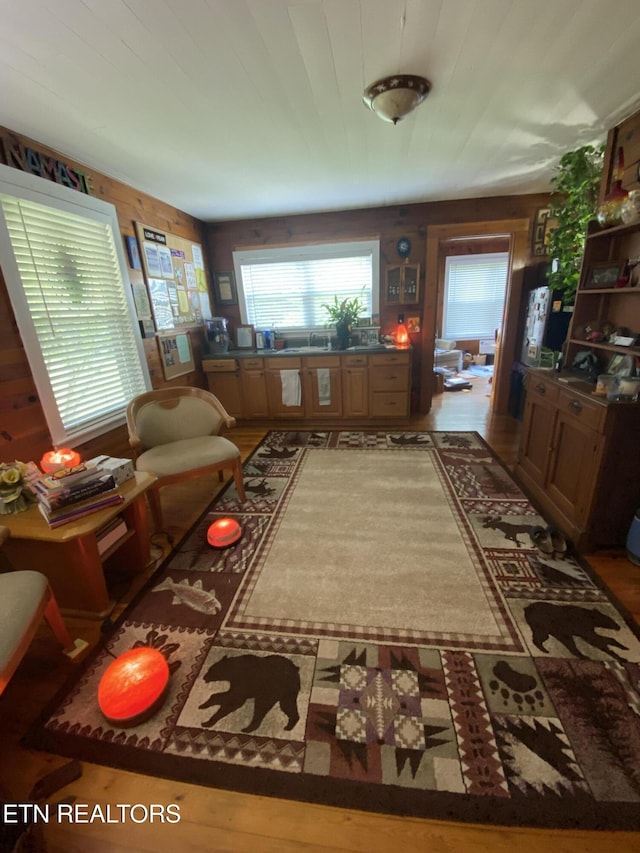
x=243 y=108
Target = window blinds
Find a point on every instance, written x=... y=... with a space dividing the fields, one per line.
x=475 y=287
x=285 y=288
x=81 y=339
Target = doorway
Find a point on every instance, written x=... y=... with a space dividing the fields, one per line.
x=513 y=235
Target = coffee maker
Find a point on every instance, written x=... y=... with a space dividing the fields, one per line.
x=216 y=334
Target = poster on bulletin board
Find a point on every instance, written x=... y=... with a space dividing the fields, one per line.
x=175 y=276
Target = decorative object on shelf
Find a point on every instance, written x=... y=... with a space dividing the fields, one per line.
x=630 y=210
x=610 y=211
x=15 y=495
x=573 y=204
x=604 y=275
x=134 y=686
x=56 y=460
x=403 y=247
x=223 y=532
x=344 y=315
x=245 y=337
x=393 y=98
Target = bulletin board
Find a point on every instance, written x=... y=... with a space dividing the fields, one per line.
x=176 y=354
x=175 y=277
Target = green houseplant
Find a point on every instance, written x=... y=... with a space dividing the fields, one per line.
x=573 y=204
x=343 y=314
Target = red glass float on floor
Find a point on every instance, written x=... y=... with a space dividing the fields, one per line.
x=133 y=686
x=223 y=532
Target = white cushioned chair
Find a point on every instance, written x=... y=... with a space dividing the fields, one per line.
x=176 y=434
x=25 y=598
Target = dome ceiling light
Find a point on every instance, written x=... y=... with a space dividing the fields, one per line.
x=393 y=98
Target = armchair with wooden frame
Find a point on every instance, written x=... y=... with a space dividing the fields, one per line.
x=176 y=434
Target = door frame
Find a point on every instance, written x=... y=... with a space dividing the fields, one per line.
x=517 y=230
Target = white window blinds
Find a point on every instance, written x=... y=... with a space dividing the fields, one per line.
x=74 y=315
x=285 y=288
x=475 y=287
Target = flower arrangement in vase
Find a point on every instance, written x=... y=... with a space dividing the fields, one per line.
x=15 y=494
x=343 y=314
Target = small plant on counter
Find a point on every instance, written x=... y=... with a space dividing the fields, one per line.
x=344 y=312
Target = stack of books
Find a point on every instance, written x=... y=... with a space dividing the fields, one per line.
x=72 y=493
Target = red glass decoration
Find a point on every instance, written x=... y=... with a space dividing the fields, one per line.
x=402 y=335
x=133 y=686
x=54 y=460
x=223 y=532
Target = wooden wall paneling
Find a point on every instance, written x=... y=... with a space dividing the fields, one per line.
x=387 y=224
x=23 y=419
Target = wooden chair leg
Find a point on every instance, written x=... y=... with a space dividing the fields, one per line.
x=237 y=477
x=156 y=508
x=56 y=623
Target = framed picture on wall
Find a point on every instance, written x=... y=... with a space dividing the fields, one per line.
x=224 y=288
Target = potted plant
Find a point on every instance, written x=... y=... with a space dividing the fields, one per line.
x=573 y=205
x=343 y=314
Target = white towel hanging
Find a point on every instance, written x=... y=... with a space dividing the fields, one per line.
x=324 y=386
x=291 y=388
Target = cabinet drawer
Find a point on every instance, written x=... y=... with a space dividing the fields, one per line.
x=285 y=362
x=387 y=404
x=355 y=360
x=390 y=359
x=587 y=412
x=389 y=379
x=322 y=361
x=219 y=365
x=252 y=364
x=539 y=387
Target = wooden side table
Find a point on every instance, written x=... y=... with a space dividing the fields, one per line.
x=68 y=555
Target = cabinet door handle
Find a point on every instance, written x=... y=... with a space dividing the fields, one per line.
x=540 y=388
x=575 y=406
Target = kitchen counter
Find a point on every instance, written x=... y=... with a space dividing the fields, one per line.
x=306 y=351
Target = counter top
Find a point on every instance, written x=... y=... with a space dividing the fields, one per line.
x=305 y=351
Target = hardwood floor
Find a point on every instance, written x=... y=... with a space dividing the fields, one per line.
x=215 y=820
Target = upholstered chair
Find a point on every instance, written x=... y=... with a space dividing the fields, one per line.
x=25 y=598
x=176 y=434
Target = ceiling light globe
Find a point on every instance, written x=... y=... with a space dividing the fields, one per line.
x=393 y=98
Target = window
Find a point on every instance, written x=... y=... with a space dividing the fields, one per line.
x=285 y=288
x=65 y=273
x=475 y=287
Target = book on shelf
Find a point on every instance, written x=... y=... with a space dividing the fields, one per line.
x=111 y=533
x=73 y=513
x=77 y=492
x=59 y=480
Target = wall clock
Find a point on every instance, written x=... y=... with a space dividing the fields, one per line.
x=403 y=247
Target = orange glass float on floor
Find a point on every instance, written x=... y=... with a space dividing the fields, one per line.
x=133 y=686
x=223 y=532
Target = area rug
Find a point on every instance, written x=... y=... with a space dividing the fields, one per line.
x=384 y=636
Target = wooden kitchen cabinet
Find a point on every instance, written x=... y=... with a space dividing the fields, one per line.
x=390 y=384
x=223 y=380
x=355 y=386
x=273 y=367
x=577 y=459
x=402 y=284
x=331 y=404
x=255 y=399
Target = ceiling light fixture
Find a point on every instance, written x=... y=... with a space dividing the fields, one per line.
x=393 y=98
